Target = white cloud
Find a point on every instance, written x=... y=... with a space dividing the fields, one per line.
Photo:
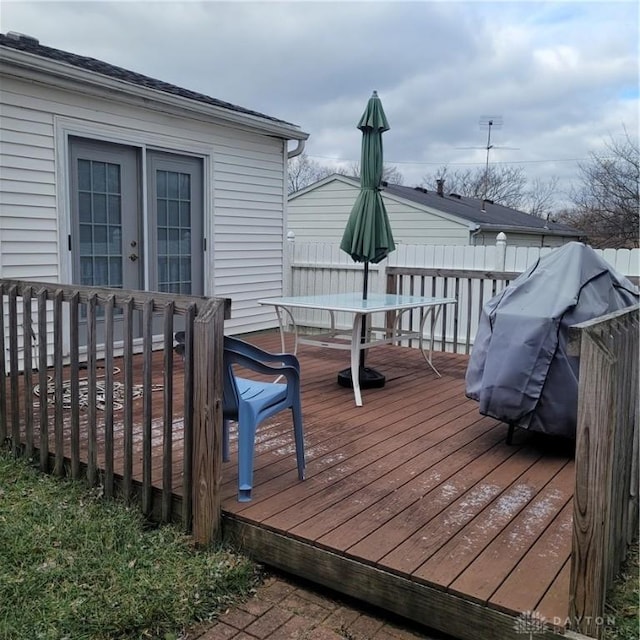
x=564 y=75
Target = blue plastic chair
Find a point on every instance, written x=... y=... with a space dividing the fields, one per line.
x=249 y=402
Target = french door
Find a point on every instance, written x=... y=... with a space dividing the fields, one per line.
x=114 y=241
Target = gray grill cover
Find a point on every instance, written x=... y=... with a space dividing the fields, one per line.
x=519 y=370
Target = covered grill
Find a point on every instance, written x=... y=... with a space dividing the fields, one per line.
x=519 y=370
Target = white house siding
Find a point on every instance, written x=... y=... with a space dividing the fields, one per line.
x=249 y=201
x=416 y=226
x=244 y=189
x=28 y=224
x=320 y=215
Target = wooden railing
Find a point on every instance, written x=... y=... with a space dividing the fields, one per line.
x=51 y=332
x=457 y=325
x=605 y=505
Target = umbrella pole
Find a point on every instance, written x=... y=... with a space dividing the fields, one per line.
x=368 y=378
x=363 y=329
x=365 y=286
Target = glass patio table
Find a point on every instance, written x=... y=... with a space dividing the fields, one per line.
x=394 y=307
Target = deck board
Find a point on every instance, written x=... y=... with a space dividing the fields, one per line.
x=445 y=565
x=414 y=492
x=483 y=576
x=554 y=601
x=534 y=574
x=420 y=530
x=393 y=499
x=375 y=487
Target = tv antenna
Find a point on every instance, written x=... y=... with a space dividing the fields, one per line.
x=488 y=122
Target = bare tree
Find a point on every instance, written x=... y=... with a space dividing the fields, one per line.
x=607 y=202
x=390 y=173
x=504 y=185
x=539 y=198
x=501 y=184
x=303 y=171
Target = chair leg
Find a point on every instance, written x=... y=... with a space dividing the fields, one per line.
x=246 y=444
x=225 y=441
x=298 y=432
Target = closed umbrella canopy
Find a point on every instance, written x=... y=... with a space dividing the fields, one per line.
x=367 y=236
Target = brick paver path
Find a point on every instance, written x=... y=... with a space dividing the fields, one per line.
x=284 y=609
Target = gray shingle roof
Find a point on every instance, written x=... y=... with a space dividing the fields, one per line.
x=31 y=45
x=494 y=215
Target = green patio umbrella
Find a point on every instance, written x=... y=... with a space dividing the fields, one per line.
x=367 y=236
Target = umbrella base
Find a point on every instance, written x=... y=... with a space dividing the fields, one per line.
x=369 y=378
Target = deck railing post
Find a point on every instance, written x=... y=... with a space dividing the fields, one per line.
x=3 y=370
x=607 y=428
x=208 y=341
x=501 y=251
x=289 y=255
x=591 y=515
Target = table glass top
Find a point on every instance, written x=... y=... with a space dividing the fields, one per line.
x=355 y=303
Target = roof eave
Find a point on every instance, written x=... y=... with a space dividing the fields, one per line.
x=37 y=68
x=483 y=226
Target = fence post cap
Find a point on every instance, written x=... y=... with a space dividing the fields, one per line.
x=291 y=236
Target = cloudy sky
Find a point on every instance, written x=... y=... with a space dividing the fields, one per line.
x=563 y=76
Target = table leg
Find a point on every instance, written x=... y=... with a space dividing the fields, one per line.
x=283 y=346
x=281 y=325
x=433 y=312
x=355 y=357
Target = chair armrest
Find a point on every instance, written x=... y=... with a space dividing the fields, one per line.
x=292 y=374
x=237 y=346
x=241 y=359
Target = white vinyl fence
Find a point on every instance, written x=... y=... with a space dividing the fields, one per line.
x=472 y=274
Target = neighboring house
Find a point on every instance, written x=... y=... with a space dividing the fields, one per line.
x=112 y=178
x=319 y=213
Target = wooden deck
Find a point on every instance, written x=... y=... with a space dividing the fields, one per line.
x=413 y=502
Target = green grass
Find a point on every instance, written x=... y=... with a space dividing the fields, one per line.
x=74 y=566
x=622 y=601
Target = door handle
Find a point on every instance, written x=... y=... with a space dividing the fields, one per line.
x=133 y=257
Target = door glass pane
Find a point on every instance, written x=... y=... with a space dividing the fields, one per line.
x=172 y=185
x=184 y=187
x=161 y=184
x=86 y=271
x=162 y=212
x=115 y=206
x=84 y=206
x=185 y=214
x=174 y=231
x=86 y=239
x=100 y=239
x=173 y=213
x=99 y=176
x=99 y=203
x=84 y=175
x=113 y=178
